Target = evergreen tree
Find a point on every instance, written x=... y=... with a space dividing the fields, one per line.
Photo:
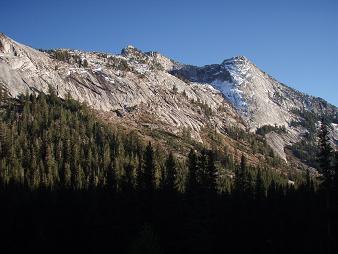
x=67 y=175
x=139 y=174
x=242 y=184
x=309 y=183
x=111 y=178
x=170 y=171
x=325 y=156
x=211 y=172
x=148 y=169
x=202 y=173
x=34 y=170
x=259 y=186
x=192 y=173
x=335 y=178
x=127 y=181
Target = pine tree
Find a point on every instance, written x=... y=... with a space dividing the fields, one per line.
x=34 y=170
x=78 y=178
x=335 y=178
x=211 y=172
x=259 y=187
x=139 y=174
x=111 y=178
x=50 y=166
x=106 y=157
x=309 y=186
x=241 y=177
x=127 y=180
x=192 y=174
x=170 y=171
x=202 y=173
x=67 y=175
x=325 y=156
x=149 y=169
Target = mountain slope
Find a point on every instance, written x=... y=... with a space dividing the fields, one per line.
x=132 y=81
x=148 y=91
x=258 y=98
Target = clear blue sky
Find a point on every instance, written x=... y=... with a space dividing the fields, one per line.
x=296 y=41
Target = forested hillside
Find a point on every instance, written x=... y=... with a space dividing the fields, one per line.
x=70 y=182
x=48 y=142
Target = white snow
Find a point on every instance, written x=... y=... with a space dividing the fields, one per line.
x=239 y=69
x=232 y=93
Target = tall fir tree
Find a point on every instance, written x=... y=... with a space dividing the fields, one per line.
x=148 y=169
x=211 y=172
x=259 y=186
x=168 y=184
x=325 y=156
x=241 y=178
x=192 y=172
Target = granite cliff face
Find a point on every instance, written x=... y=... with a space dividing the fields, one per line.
x=148 y=88
x=130 y=82
x=258 y=98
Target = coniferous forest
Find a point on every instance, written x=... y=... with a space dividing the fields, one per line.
x=72 y=183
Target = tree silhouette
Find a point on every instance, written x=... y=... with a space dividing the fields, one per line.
x=148 y=169
x=325 y=155
x=192 y=172
x=170 y=172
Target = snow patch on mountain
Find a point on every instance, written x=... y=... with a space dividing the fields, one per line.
x=232 y=93
x=239 y=68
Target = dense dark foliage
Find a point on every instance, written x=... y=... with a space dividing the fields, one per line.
x=265 y=129
x=70 y=183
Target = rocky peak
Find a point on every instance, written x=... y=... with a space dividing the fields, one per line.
x=133 y=53
x=239 y=64
x=236 y=59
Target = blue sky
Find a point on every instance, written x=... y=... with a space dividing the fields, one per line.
x=295 y=41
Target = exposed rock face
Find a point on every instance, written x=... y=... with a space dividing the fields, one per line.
x=171 y=95
x=115 y=82
x=258 y=98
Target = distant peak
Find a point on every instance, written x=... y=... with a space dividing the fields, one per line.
x=130 y=48
x=236 y=60
x=241 y=58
